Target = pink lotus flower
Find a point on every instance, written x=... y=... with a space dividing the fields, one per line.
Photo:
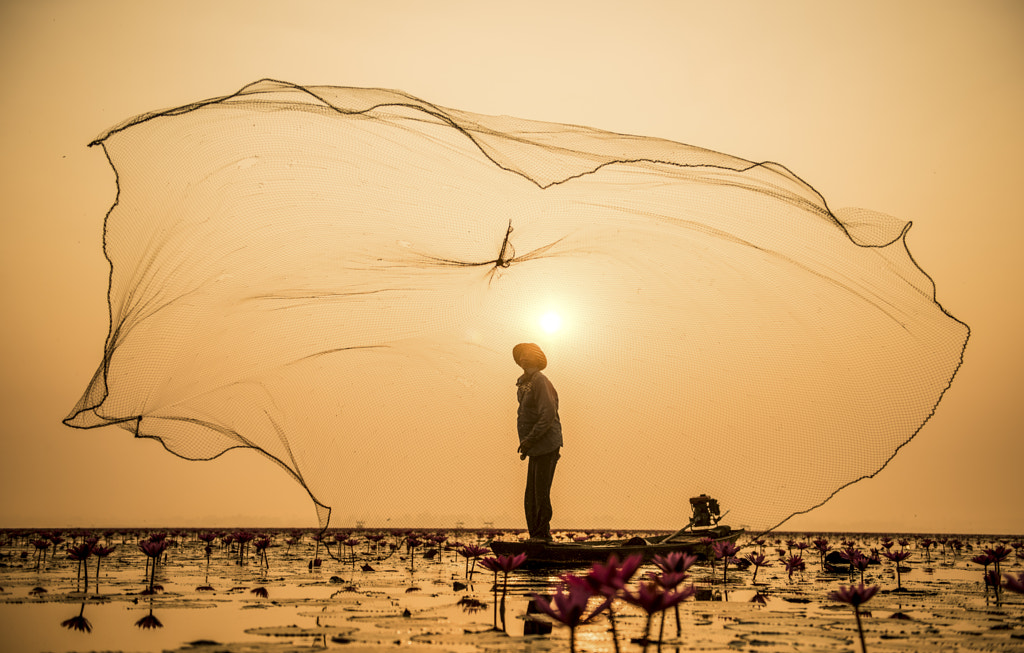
x=897 y=557
x=794 y=563
x=1014 y=583
x=80 y=553
x=505 y=564
x=570 y=608
x=101 y=552
x=855 y=596
x=652 y=598
x=153 y=548
x=472 y=552
x=611 y=577
x=667 y=579
x=724 y=550
x=758 y=560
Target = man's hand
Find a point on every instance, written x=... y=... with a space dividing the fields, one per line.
x=523 y=446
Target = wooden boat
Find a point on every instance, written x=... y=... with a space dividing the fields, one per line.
x=541 y=553
x=695 y=538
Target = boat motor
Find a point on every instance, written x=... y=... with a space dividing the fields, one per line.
x=705 y=511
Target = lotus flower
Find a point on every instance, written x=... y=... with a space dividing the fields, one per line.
x=505 y=564
x=758 y=560
x=472 y=552
x=794 y=563
x=897 y=557
x=570 y=607
x=855 y=596
x=724 y=550
x=610 y=578
x=152 y=549
x=81 y=553
x=652 y=598
x=1014 y=583
x=101 y=552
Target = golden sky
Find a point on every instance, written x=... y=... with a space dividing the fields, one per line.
x=910 y=109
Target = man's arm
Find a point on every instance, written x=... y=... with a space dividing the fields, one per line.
x=547 y=410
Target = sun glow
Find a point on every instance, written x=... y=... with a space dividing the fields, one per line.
x=551 y=322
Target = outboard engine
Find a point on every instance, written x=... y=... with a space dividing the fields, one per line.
x=705 y=511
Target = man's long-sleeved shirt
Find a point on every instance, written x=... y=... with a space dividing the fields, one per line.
x=539 y=426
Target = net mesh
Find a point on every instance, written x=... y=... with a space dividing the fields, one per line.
x=336 y=277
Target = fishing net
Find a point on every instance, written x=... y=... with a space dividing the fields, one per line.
x=336 y=277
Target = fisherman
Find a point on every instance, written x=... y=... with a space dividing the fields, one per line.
x=540 y=436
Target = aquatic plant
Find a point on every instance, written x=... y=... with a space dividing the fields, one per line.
x=438 y=540
x=610 y=578
x=758 y=560
x=262 y=544
x=55 y=540
x=411 y=543
x=569 y=606
x=243 y=538
x=81 y=553
x=897 y=557
x=860 y=562
x=505 y=564
x=652 y=599
x=998 y=554
x=957 y=545
x=152 y=549
x=471 y=552
x=351 y=543
x=856 y=597
x=794 y=563
x=317 y=538
x=725 y=551
x=673 y=569
x=823 y=547
x=101 y=552
x=927 y=544
x=1014 y=583
x=42 y=545
x=260 y=592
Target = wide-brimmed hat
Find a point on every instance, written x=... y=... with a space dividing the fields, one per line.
x=527 y=354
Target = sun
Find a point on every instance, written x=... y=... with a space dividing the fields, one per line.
x=551 y=322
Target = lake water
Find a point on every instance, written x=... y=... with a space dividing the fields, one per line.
x=367 y=598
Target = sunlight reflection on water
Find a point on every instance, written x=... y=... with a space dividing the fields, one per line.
x=420 y=603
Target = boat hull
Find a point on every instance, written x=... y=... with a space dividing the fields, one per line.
x=585 y=553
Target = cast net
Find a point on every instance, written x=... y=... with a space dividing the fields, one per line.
x=336 y=277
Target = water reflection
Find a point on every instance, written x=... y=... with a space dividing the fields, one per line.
x=79 y=623
x=149 y=621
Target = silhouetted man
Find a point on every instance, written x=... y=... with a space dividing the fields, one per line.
x=540 y=436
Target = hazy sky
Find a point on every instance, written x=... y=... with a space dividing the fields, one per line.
x=912 y=109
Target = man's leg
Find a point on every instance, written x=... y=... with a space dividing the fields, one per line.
x=530 y=500
x=545 y=474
